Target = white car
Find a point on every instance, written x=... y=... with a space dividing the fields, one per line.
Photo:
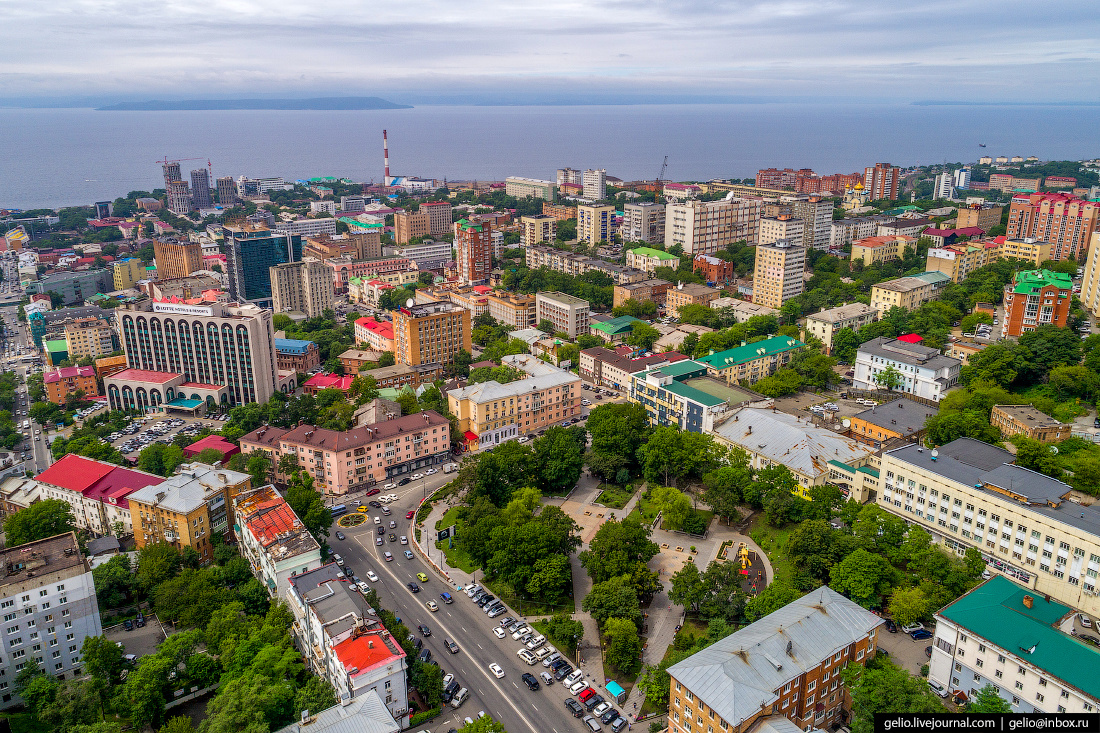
x=390 y=486
x=371 y=576
x=363 y=587
x=417 y=475
x=431 y=472
x=524 y=629
x=578 y=687
x=496 y=670
x=499 y=633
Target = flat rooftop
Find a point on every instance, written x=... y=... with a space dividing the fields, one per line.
x=39 y=559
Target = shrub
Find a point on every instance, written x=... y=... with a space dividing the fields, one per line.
x=419 y=718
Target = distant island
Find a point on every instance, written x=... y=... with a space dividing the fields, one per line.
x=321 y=103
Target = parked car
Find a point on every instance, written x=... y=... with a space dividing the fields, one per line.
x=921 y=634
x=530 y=681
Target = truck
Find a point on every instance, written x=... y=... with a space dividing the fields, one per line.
x=450 y=467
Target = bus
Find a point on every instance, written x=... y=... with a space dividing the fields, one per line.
x=338 y=510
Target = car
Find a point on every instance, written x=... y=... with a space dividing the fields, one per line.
x=372 y=492
x=618 y=724
x=451 y=646
x=422 y=577
x=393 y=524
x=404 y=540
x=371 y=576
x=448 y=679
x=608 y=715
x=139 y=621
x=1085 y=621
x=593 y=702
x=128 y=625
x=416 y=476
x=506 y=620
x=413 y=587
x=573 y=678
x=431 y=472
x=601 y=708
x=392 y=537
x=499 y=633
x=425 y=655
x=386 y=511
x=921 y=634
x=520 y=631
x=551 y=659
x=410 y=514
x=586 y=695
x=543 y=652
x=408 y=555
x=404 y=481
x=378 y=541
x=891 y=626
x=432 y=606
x=530 y=681
x=910 y=628
x=471 y=589
x=496 y=670
x=363 y=508
x=380 y=530
x=574 y=707
x=446 y=597
x=496 y=611
x=592 y=724
x=376 y=505
x=390 y=486
x=937 y=688
x=577 y=687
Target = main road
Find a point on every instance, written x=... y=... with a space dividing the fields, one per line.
x=507 y=700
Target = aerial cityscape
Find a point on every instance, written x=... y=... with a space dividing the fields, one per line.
x=358 y=408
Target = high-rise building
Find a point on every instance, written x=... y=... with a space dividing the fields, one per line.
x=941 y=189
x=570 y=176
x=1090 y=284
x=172 y=172
x=49 y=584
x=1036 y=298
x=104 y=209
x=522 y=188
x=594 y=222
x=427 y=333
x=816 y=214
x=179 y=197
x=784 y=226
x=1064 y=221
x=595 y=184
x=961 y=178
x=200 y=189
x=643 y=222
x=537 y=228
x=882 y=181
x=126 y=273
x=227 y=191
x=779 y=274
x=250 y=251
x=305 y=286
x=176 y=258
x=439 y=217
x=568 y=313
x=410 y=225
x=89 y=336
x=704 y=227
x=474 y=247
x=984 y=216
x=218 y=352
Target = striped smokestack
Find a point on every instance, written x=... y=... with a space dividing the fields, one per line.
x=386 y=157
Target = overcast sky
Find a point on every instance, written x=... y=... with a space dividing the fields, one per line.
x=981 y=50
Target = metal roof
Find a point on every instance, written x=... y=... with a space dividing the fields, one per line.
x=751 y=352
x=363 y=714
x=901 y=416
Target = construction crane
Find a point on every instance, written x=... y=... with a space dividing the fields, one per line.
x=661 y=175
x=209 y=166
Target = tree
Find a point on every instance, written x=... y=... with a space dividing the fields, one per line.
x=250 y=704
x=883 y=687
x=429 y=681
x=209 y=456
x=178 y=724
x=772 y=598
x=546 y=326
x=948 y=426
x=988 y=700
x=258 y=467
x=724 y=486
x=113 y=581
x=671 y=454
x=889 y=379
x=564 y=632
x=643 y=336
x=624 y=646
x=309 y=505
x=614 y=598
x=862 y=576
x=1030 y=453
x=551 y=578
x=46 y=518
x=558 y=459
x=102 y=659
x=483 y=725
x=845 y=344
x=160 y=459
x=616 y=547
x=687 y=589
x=387 y=359
x=157 y=563
x=908 y=605
x=617 y=431
x=673 y=505
x=317 y=695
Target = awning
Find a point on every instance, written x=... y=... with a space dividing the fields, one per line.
x=470 y=436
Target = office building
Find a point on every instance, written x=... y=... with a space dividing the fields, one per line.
x=923 y=371
x=517 y=310
x=273 y=539
x=908 y=293
x=943 y=186
x=222 y=352
x=358 y=245
x=439 y=217
x=61 y=382
x=595 y=223
x=409 y=225
x=428 y=255
x=537 y=228
x=430 y=332
x=644 y=222
x=296 y=355
x=343 y=462
x=490 y=413
x=227 y=191
x=179 y=198
x=200 y=190
x=607 y=368
x=176 y=258
x=1009 y=182
x=307 y=227
x=523 y=188
x=704 y=227
x=89 y=336
x=595 y=184
x=251 y=250
x=882 y=181
x=1026 y=420
x=97 y=491
x=961 y=178
x=824 y=324
x=901 y=419
x=353 y=204
x=641 y=292
x=568 y=313
x=876 y=250
x=648 y=259
x=1035 y=298
x=682 y=395
x=784 y=226
x=779 y=272
x=172 y=172
x=126 y=273
x=188 y=509
x=688 y=294
x=304 y=287
x=781 y=673
x=74 y=287
x=984 y=216
x=474 y=250
x=48 y=595
x=1065 y=222
x=1020 y=642
x=575 y=264
x=750 y=363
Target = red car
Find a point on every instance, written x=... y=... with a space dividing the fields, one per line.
x=411 y=514
x=372 y=492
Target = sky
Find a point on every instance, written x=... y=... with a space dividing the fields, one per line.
x=964 y=50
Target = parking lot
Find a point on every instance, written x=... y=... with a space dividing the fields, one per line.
x=906 y=652
x=141 y=641
x=143 y=432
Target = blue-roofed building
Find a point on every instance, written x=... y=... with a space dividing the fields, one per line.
x=296 y=355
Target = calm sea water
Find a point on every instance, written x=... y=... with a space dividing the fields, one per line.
x=59 y=157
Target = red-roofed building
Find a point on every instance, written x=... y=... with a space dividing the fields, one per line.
x=371 y=659
x=216 y=442
x=64 y=381
x=327 y=381
x=374 y=333
x=273 y=539
x=911 y=338
x=1067 y=223
x=147 y=389
x=96 y=490
x=941 y=237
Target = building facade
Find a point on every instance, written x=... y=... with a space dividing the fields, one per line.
x=305 y=287
x=474 y=250
x=89 y=336
x=176 y=258
x=296 y=355
x=984 y=216
x=97 y=491
x=251 y=250
x=179 y=197
x=882 y=181
x=907 y=292
x=430 y=332
x=704 y=227
x=273 y=539
x=874 y=250
x=537 y=228
x=568 y=313
x=648 y=259
x=490 y=413
x=641 y=291
x=523 y=188
x=513 y=309
x=61 y=382
x=749 y=363
x=1028 y=421
x=689 y=294
x=376 y=334
x=576 y=264
x=923 y=371
x=643 y=222
x=126 y=273
x=1067 y=223
x=784 y=226
x=595 y=184
x=779 y=272
x=1036 y=298
x=595 y=223
x=824 y=324
x=409 y=225
x=200 y=189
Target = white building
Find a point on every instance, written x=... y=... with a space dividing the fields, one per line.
x=742 y=310
x=643 y=222
x=941 y=189
x=846 y=231
x=273 y=539
x=323 y=207
x=704 y=227
x=595 y=184
x=774 y=228
x=428 y=255
x=568 y=313
x=365 y=714
x=48 y=599
x=925 y=372
x=307 y=227
x=97 y=491
x=962 y=178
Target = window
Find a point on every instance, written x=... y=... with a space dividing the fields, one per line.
x=1039 y=696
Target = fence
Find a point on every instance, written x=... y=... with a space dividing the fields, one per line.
x=885 y=396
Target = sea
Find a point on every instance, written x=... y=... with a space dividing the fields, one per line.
x=62 y=157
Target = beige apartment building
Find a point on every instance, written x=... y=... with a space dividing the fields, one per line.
x=568 y=313
x=89 y=336
x=958 y=260
x=873 y=250
x=1028 y=421
x=689 y=294
x=704 y=227
x=522 y=188
x=784 y=226
x=176 y=258
x=642 y=291
x=780 y=272
x=513 y=309
x=439 y=217
x=574 y=264
x=1090 y=285
x=1034 y=251
x=649 y=259
x=644 y=222
x=495 y=412
x=537 y=228
x=305 y=287
x=408 y=225
x=983 y=216
x=430 y=332
x=126 y=273
x=909 y=293
x=826 y=323
x=595 y=223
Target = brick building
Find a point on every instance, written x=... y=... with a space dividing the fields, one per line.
x=296 y=355
x=1036 y=298
x=642 y=291
x=1025 y=419
x=64 y=381
x=713 y=269
x=1065 y=222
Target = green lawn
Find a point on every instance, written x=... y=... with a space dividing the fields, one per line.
x=774 y=544
x=1065 y=411
x=645 y=511
x=456 y=556
x=615 y=497
x=449 y=517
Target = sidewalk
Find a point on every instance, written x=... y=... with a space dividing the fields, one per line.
x=426 y=547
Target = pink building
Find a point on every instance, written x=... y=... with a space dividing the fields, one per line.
x=374 y=333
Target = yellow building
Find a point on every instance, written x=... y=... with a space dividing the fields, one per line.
x=779 y=274
x=126 y=273
x=957 y=261
x=594 y=223
x=89 y=336
x=908 y=293
x=497 y=412
x=1035 y=251
x=427 y=333
x=538 y=228
x=872 y=250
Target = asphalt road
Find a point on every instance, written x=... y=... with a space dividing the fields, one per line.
x=507 y=700
x=16 y=334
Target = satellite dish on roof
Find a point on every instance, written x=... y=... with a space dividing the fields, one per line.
x=409 y=303
x=846 y=423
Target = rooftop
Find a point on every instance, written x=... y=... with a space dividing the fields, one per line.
x=694 y=289
x=273 y=523
x=346 y=440
x=329 y=381
x=97 y=480
x=40 y=559
x=562 y=298
x=902 y=416
x=842 y=313
x=650 y=252
x=382 y=328
x=145 y=375
x=60 y=373
x=906 y=353
x=293 y=346
x=1028 y=282
x=751 y=352
x=489 y=391
x=189 y=489
x=616 y=326
x=365 y=713
x=995 y=611
x=1028 y=415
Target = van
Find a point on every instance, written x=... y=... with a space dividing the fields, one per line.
x=575 y=677
x=937 y=688
x=450 y=467
x=460 y=697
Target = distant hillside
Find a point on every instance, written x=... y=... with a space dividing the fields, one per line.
x=322 y=103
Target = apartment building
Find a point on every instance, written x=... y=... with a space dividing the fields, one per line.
x=924 y=371
x=490 y=413
x=89 y=336
x=882 y=181
x=342 y=641
x=356 y=245
x=307 y=227
x=1028 y=527
x=97 y=491
x=48 y=599
x=296 y=355
x=428 y=255
x=61 y=382
x=816 y=215
x=574 y=264
x=642 y=291
x=568 y=313
x=704 y=227
x=1035 y=298
x=439 y=217
x=846 y=231
x=749 y=363
x=523 y=188
x=779 y=272
x=376 y=334
x=273 y=539
x=607 y=368
x=907 y=292
x=875 y=250
x=395 y=271
x=689 y=294
x=644 y=222
x=824 y=324
x=1009 y=182
x=474 y=247
x=179 y=197
x=188 y=509
x=1028 y=421
x=1067 y=223
x=784 y=226
x=409 y=225
x=595 y=184
x=901 y=419
x=957 y=261
x=126 y=273
x=595 y=223
x=517 y=310
x=1090 y=284
x=176 y=258
x=430 y=332
x=984 y=216
x=1033 y=251
x=741 y=310
x=648 y=259
x=537 y=228
x=397 y=375
x=303 y=287
x=559 y=212
x=784 y=667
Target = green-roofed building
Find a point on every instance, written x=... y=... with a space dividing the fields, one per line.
x=682 y=395
x=748 y=363
x=614 y=330
x=1029 y=647
x=57 y=351
x=1029 y=290
x=354 y=225
x=649 y=259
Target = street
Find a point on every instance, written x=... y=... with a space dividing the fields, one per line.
x=16 y=335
